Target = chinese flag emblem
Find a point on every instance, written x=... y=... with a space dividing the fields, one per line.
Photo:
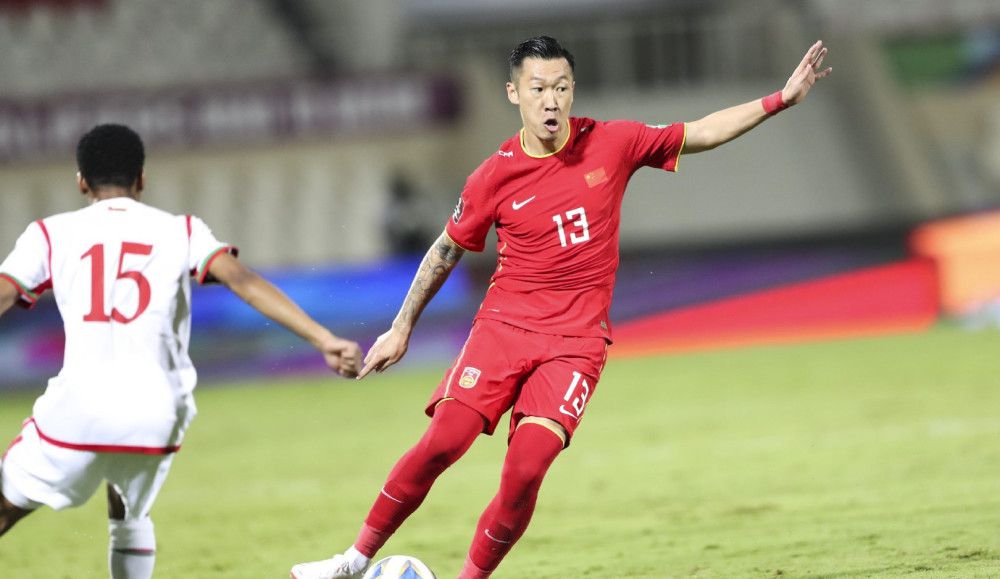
x=596 y=177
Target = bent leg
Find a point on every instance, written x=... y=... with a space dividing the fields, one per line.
x=10 y=513
x=134 y=482
x=452 y=431
x=533 y=447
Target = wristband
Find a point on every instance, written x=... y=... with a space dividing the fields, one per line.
x=773 y=103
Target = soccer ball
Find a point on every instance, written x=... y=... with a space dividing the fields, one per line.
x=399 y=567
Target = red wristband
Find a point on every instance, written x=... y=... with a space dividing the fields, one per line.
x=773 y=103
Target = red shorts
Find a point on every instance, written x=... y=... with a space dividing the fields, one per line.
x=502 y=367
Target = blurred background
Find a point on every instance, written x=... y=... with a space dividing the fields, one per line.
x=330 y=140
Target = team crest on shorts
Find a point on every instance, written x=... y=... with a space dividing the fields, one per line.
x=469 y=377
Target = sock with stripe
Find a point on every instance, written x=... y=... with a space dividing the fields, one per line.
x=132 y=551
x=452 y=431
x=532 y=450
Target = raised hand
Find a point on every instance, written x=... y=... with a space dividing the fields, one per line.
x=806 y=74
x=389 y=348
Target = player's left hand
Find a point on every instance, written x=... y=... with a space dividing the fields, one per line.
x=806 y=74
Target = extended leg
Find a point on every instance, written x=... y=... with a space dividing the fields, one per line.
x=532 y=450
x=452 y=431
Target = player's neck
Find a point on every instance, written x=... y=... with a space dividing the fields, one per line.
x=105 y=193
x=536 y=147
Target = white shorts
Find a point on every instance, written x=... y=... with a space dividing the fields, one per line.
x=35 y=473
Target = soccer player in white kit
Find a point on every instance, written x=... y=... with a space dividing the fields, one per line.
x=117 y=412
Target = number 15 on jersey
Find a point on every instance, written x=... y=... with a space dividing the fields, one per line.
x=98 y=309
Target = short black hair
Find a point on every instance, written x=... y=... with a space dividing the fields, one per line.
x=110 y=155
x=543 y=47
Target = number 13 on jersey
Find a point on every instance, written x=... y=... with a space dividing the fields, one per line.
x=581 y=232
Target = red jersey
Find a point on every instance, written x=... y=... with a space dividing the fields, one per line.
x=557 y=219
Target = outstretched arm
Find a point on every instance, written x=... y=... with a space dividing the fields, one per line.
x=725 y=125
x=342 y=356
x=8 y=296
x=435 y=268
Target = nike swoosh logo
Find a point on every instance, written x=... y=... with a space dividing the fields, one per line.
x=517 y=205
x=492 y=538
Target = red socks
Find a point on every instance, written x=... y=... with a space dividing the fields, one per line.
x=531 y=452
x=452 y=431
x=471 y=571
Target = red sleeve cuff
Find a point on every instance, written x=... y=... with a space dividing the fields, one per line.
x=465 y=246
x=28 y=297
x=203 y=276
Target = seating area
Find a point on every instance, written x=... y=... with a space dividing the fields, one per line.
x=28 y=5
x=58 y=46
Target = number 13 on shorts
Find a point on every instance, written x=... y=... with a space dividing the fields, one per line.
x=576 y=397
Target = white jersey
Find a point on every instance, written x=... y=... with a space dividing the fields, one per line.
x=120 y=271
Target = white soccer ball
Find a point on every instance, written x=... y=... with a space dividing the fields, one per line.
x=399 y=567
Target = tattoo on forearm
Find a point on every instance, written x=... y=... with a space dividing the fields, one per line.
x=433 y=272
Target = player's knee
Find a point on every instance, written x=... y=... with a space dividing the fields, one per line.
x=132 y=534
x=442 y=451
x=521 y=480
x=523 y=474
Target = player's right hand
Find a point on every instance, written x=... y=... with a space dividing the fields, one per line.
x=389 y=348
x=342 y=356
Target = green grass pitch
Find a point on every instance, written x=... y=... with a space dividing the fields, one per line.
x=863 y=458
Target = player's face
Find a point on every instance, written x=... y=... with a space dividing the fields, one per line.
x=544 y=94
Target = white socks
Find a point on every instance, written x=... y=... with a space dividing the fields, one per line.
x=358 y=561
x=132 y=551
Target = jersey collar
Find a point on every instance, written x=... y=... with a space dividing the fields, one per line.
x=569 y=137
x=115 y=201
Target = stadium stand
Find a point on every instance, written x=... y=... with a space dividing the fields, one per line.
x=54 y=47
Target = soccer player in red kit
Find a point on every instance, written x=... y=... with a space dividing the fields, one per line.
x=539 y=342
